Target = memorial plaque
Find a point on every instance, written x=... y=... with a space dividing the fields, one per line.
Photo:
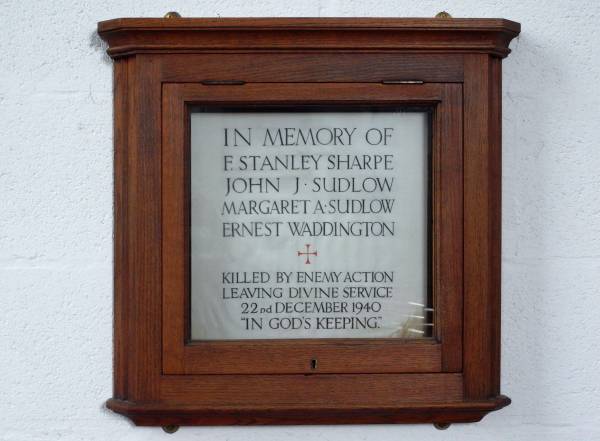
x=307 y=219
x=309 y=224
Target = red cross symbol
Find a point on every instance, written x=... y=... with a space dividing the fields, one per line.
x=307 y=253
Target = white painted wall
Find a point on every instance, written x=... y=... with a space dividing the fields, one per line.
x=56 y=221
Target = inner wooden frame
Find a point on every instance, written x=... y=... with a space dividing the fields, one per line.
x=443 y=353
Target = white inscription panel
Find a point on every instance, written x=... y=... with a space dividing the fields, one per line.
x=309 y=224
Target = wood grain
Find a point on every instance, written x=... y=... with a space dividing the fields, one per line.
x=311 y=23
x=482 y=194
x=188 y=35
x=447 y=252
x=143 y=316
x=313 y=67
x=312 y=390
x=121 y=259
x=151 y=414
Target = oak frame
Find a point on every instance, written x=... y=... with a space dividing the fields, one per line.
x=458 y=59
x=440 y=354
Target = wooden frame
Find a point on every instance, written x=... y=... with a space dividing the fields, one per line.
x=339 y=355
x=164 y=65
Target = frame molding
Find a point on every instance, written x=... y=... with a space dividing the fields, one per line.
x=127 y=36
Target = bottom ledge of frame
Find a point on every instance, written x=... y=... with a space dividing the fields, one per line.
x=161 y=414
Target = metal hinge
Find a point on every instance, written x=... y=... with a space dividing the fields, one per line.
x=402 y=82
x=223 y=82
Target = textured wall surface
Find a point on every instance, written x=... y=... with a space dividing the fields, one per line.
x=56 y=221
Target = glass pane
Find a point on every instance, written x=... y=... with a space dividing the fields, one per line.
x=309 y=224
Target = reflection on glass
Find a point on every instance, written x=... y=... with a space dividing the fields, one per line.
x=309 y=224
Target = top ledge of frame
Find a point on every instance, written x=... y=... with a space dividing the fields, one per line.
x=129 y=36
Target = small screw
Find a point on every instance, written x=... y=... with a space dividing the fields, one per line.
x=170 y=428
x=443 y=14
